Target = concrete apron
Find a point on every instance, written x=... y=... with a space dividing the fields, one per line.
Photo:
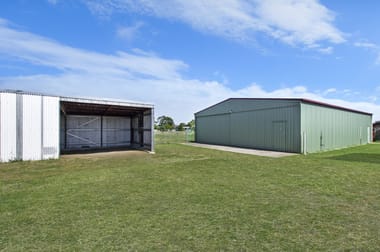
x=264 y=153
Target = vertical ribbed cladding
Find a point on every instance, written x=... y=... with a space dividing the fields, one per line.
x=116 y=131
x=19 y=127
x=135 y=129
x=262 y=124
x=152 y=130
x=50 y=127
x=31 y=127
x=327 y=128
x=148 y=128
x=83 y=132
x=8 y=127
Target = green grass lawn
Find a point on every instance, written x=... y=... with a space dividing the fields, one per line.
x=193 y=199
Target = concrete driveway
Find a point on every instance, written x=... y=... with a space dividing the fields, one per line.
x=264 y=153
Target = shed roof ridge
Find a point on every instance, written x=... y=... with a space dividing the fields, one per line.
x=305 y=100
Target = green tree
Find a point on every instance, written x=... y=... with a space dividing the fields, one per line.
x=191 y=124
x=181 y=126
x=165 y=123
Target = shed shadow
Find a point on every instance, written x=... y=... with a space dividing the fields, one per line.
x=359 y=157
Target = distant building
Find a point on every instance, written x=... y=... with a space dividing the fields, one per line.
x=289 y=125
x=376 y=131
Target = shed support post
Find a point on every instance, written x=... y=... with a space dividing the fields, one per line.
x=65 y=130
x=141 y=128
x=132 y=131
x=152 y=130
x=101 y=131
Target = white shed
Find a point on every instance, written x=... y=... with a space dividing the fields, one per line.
x=36 y=126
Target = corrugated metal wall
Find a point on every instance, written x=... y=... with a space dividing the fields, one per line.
x=82 y=132
x=30 y=133
x=50 y=127
x=135 y=129
x=8 y=126
x=263 y=124
x=213 y=129
x=324 y=128
x=95 y=132
x=29 y=127
x=147 y=128
x=116 y=131
x=38 y=127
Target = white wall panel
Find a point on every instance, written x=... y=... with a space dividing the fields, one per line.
x=50 y=145
x=31 y=127
x=8 y=126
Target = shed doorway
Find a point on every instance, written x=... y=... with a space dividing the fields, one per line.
x=89 y=126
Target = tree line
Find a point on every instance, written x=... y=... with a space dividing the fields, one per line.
x=166 y=123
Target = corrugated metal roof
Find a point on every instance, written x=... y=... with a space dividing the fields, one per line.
x=80 y=108
x=104 y=101
x=290 y=99
x=88 y=100
x=15 y=91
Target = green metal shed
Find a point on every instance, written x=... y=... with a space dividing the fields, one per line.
x=283 y=124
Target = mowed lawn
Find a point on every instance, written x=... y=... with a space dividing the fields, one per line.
x=193 y=199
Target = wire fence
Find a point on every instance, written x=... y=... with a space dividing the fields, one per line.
x=167 y=137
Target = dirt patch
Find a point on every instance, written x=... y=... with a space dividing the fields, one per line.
x=107 y=154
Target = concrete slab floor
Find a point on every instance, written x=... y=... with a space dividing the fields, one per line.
x=264 y=153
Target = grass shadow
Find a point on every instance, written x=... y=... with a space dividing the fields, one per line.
x=359 y=157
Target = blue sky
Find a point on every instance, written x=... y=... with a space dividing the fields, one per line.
x=186 y=55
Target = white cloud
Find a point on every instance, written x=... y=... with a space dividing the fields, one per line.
x=366 y=45
x=129 y=33
x=371 y=47
x=326 y=50
x=373 y=98
x=221 y=77
x=299 y=21
x=136 y=76
x=295 y=22
x=41 y=51
x=329 y=91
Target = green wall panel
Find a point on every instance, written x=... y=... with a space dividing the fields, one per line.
x=325 y=128
x=213 y=129
x=269 y=125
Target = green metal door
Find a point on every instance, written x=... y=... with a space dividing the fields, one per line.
x=279 y=135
